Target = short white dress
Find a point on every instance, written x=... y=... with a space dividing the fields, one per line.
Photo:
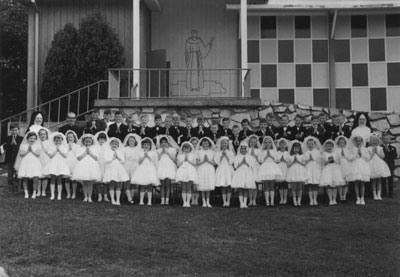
x=379 y=168
x=296 y=173
x=269 y=170
x=131 y=155
x=71 y=157
x=255 y=152
x=100 y=159
x=87 y=169
x=243 y=177
x=282 y=163
x=146 y=173
x=345 y=158
x=313 y=167
x=331 y=174
x=57 y=165
x=114 y=169
x=166 y=168
x=206 y=171
x=186 y=171
x=30 y=166
x=360 y=166
x=44 y=158
x=224 y=172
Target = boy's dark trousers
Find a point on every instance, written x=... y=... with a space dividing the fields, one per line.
x=12 y=178
x=388 y=191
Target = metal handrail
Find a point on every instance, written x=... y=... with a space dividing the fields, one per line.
x=67 y=97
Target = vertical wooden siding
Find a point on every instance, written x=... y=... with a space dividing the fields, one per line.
x=54 y=15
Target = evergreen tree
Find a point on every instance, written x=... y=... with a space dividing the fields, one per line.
x=60 y=67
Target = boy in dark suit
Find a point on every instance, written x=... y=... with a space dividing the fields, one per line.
x=283 y=131
x=390 y=155
x=245 y=129
x=96 y=124
x=145 y=131
x=214 y=133
x=118 y=129
x=325 y=126
x=11 y=148
x=157 y=130
x=71 y=120
x=339 y=127
x=264 y=132
x=298 y=131
x=187 y=134
x=176 y=130
x=235 y=137
x=201 y=131
x=225 y=131
x=316 y=130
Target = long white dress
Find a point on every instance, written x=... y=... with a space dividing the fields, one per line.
x=206 y=171
x=282 y=164
x=114 y=169
x=146 y=173
x=379 y=168
x=345 y=165
x=296 y=173
x=224 y=172
x=166 y=168
x=58 y=164
x=30 y=166
x=131 y=155
x=44 y=158
x=331 y=174
x=100 y=158
x=243 y=177
x=87 y=169
x=360 y=166
x=313 y=167
x=269 y=170
x=186 y=171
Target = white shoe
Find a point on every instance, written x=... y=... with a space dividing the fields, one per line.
x=33 y=196
x=85 y=200
x=149 y=204
x=38 y=194
x=52 y=197
x=44 y=193
x=209 y=205
x=90 y=200
x=73 y=196
x=358 y=202
x=59 y=197
x=362 y=202
x=26 y=196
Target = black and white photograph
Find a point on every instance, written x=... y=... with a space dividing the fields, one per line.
x=199 y=138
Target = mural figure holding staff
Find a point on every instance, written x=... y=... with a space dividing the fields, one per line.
x=195 y=52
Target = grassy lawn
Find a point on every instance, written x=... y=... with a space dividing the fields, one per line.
x=72 y=238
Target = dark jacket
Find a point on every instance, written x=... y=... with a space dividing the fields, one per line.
x=298 y=133
x=268 y=132
x=390 y=155
x=346 y=131
x=282 y=133
x=225 y=133
x=206 y=132
x=114 y=132
x=65 y=128
x=328 y=131
x=145 y=132
x=11 y=149
x=244 y=134
x=319 y=133
x=100 y=125
x=177 y=131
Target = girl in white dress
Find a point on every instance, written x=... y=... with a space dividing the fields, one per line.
x=103 y=144
x=312 y=156
x=223 y=157
x=73 y=147
x=361 y=171
x=44 y=159
x=145 y=175
x=186 y=173
x=131 y=154
x=57 y=167
x=346 y=155
x=282 y=157
x=30 y=167
x=166 y=170
x=87 y=171
x=115 y=174
x=379 y=168
x=243 y=177
x=331 y=175
x=254 y=150
x=195 y=194
x=297 y=173
x=206 y=170
x=269 y=171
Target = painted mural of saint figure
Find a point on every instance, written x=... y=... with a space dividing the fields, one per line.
x=195 y=52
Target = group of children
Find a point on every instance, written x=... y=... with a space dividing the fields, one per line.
x=201 y=159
